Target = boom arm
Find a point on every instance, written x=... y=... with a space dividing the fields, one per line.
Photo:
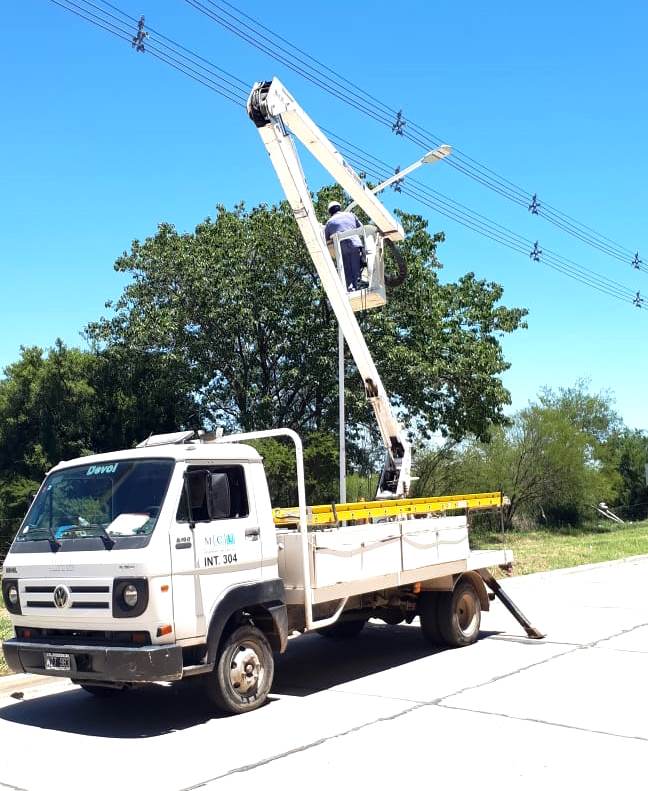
x=274 y=111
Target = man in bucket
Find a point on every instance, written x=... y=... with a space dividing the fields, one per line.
x=352 y=249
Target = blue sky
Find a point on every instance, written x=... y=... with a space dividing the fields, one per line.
x=99 y=144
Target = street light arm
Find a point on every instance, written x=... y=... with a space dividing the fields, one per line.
x=429 y=159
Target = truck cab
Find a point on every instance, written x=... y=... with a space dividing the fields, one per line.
x=130 y=566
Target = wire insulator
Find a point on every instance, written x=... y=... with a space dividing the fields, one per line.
x=138 y=38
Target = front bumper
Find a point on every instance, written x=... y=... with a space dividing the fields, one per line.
x=96 y=663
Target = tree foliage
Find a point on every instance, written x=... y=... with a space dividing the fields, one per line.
x=238 y=307
x=228 y=326
x=65 y=403
x=548 y=462
x=321 y=458
x=624 y=457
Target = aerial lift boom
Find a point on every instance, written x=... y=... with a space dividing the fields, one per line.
x=275 y=112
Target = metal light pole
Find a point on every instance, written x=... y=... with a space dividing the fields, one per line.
x=342 y=425
x=429 y=159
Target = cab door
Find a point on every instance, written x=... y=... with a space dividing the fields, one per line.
x=215 y=543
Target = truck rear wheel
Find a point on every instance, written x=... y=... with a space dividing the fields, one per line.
x=244 y=671
x=459 y=615
x=428 y=610
x=343 y=630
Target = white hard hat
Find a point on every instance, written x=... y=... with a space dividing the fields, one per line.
x=334 y=203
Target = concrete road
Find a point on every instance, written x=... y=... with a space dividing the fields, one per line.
x=382 y=710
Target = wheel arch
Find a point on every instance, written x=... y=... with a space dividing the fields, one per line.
x=263 y=602
x=478 y=584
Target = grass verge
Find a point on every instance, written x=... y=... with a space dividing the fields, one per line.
x=544 y=550
x=5 y=631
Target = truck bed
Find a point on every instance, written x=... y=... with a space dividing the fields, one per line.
x=350 y=560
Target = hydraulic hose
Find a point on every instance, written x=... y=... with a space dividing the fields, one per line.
x=399 y=279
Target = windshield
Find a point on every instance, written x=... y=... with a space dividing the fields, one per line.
x=121 y=498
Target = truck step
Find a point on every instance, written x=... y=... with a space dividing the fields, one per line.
x=197 y=670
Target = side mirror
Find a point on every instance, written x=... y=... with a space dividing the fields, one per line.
x=218 y=495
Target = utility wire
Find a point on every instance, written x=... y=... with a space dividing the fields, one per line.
x=236 y=90
x=234 y=81
x=315 y=71
x=513 y=241
x=167 y=55
x=523 y=244
x=334 y=89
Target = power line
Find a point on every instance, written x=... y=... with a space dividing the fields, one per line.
x=167 y=55
x=289 y=54
x=209 y=74
x=463 y=214
x=285 y=61
x=498 y=233
x=236 y=82
x=340 y=92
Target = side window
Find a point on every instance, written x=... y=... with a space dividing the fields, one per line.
x=196 y=488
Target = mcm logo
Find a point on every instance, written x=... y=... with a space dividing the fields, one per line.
x=62 y=598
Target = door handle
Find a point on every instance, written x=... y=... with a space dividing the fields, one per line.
x=252 y=532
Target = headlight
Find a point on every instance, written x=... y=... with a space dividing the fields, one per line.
x=11 y=596
x=130 y=596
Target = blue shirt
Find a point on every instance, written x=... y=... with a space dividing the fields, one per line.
x=343 y=221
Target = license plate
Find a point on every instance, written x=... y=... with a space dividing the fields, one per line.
x=57 y=662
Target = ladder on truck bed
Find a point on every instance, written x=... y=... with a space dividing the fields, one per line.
x=333 y=514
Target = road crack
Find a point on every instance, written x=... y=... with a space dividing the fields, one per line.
x=543 y=722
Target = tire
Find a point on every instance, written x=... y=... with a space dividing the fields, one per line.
x=343 y=630
x=101 y=692
x=460 y=615
x=428 y=610
x=242 y=677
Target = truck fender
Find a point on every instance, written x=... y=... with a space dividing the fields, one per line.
x=478 y=584
x=266 y=603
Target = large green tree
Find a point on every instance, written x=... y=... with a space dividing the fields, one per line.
x=237 y=306
x=62 y=403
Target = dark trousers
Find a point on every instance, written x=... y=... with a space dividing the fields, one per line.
x=352 y=260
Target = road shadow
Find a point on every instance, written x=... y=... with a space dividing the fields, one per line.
x=147 y=711
x=314 y=663
x=311 y=664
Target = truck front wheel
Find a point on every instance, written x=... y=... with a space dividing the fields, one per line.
x=244 y=671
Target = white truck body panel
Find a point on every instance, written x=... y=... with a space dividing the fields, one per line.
x=345 y=561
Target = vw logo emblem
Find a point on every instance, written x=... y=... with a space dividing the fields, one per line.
x=62 y=597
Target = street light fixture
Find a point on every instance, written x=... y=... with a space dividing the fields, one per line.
x=429 y=159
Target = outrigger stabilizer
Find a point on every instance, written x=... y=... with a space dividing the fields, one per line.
x=516 y=612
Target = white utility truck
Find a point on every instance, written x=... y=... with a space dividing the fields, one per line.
x=168 y=560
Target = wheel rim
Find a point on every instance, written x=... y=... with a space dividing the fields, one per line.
x=466 y=610
x=246 y=670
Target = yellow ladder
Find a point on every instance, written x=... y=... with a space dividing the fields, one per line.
x=319 y=515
